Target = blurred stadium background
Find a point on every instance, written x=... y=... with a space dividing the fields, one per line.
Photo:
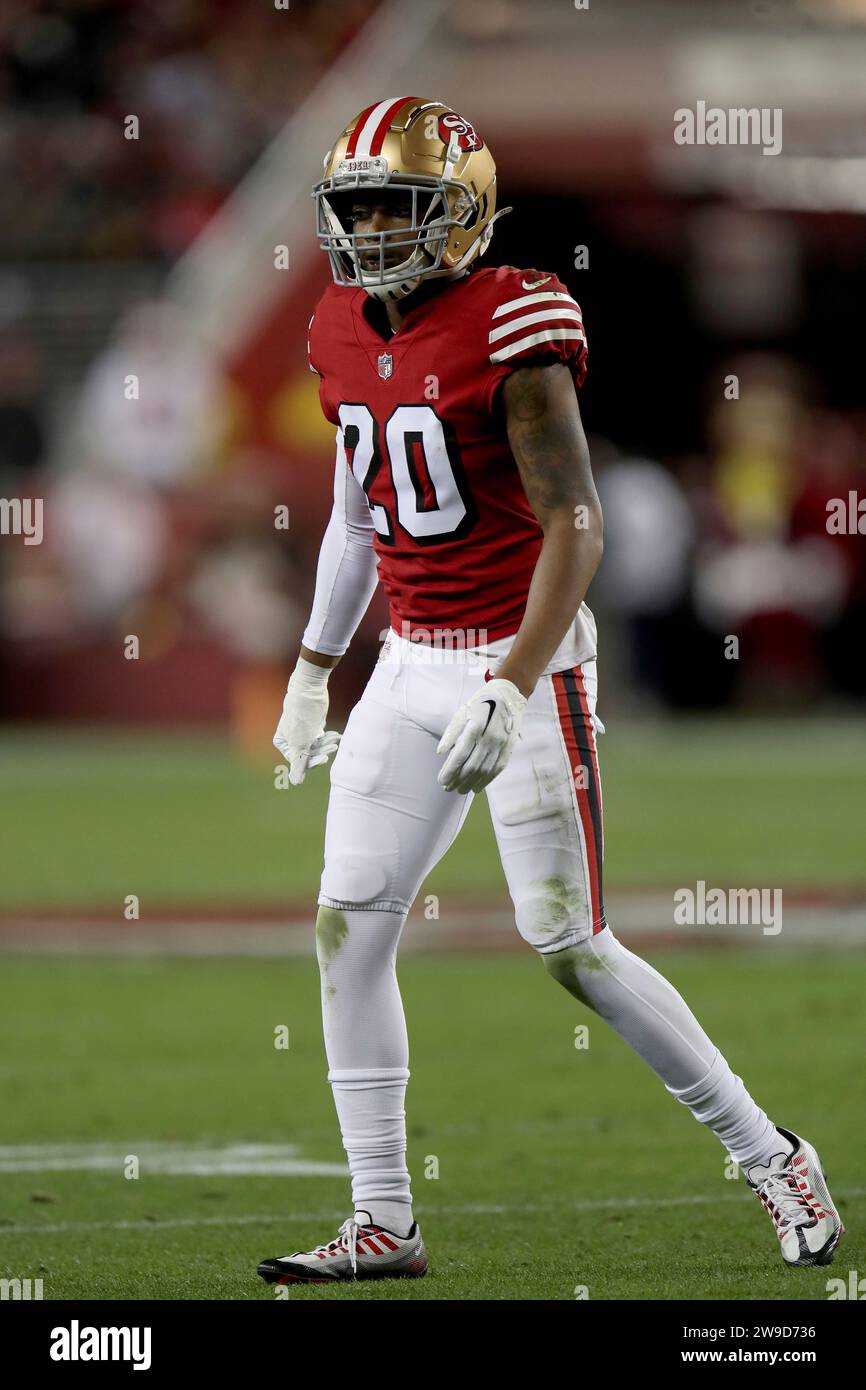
x=155 y=256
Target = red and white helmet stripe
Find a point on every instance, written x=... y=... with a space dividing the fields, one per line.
x=372 y=126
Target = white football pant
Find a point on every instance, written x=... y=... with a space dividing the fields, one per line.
x=390 y=822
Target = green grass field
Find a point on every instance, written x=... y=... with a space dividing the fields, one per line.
x=557 y=1167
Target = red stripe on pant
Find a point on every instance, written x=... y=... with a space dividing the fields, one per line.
x=593 y=749
x=579 y=734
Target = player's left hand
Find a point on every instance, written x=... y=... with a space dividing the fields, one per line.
x=480 y=737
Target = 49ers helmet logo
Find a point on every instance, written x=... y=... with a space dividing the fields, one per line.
x=455 y=129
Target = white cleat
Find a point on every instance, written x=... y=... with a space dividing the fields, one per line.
x=793 y=1189
x=359 y=1252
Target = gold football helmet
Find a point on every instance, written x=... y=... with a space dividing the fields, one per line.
x=420 y=152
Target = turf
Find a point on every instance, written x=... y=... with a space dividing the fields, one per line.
x=557 y=1167
x=180 y=820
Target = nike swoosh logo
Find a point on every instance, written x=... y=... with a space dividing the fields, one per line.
x=492 y=704
x=533 y=285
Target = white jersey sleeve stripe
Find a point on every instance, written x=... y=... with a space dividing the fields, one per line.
x=547 y=335
x=542 y=297
x=540 y=316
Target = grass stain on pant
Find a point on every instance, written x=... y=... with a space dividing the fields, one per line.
x=332 y=930
x=555 y=903
x=568 y=965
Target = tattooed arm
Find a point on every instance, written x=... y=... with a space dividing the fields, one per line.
x=549 y=447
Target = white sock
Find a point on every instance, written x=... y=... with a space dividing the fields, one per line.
x=648 y=1013
x=395 y=1217
x=373 y=1125
x=368 y=1056
x=721 y=1101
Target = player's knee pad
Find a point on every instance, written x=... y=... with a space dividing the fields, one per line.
x=353 y=879
x=553 y=914
x=362 y=861
x=362 y=856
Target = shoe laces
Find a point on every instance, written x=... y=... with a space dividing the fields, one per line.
x=347 y=1240
x=785 y=1202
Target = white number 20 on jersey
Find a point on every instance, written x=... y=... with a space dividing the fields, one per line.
x=410 y=427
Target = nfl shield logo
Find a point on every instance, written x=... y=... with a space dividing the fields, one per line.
x=386 y=365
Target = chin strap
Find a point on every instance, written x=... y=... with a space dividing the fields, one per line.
x=403 y=287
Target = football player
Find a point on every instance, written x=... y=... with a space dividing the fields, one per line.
x=463 y=484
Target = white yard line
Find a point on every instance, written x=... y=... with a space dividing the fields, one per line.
x=232 y=1160
x=338 y=1213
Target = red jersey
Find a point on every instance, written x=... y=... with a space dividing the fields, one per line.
x=456 y=538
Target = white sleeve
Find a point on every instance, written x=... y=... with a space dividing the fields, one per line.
x=346 y=573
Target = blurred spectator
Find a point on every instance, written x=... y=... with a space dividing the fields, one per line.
x=170 y=433
x=752 y=438
x=110 y=536
x=648 y=539
x=240 y=593
x=831 y=459
x=210 y=84
x=22 y=431
x=774 y=592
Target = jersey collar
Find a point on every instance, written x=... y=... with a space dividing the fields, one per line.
x=376 y=317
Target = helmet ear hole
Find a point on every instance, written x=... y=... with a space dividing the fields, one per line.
x=478 y=211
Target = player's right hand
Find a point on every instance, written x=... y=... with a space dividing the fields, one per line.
x=301 y=736
x=480 y=738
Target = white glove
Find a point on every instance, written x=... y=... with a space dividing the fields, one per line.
x=300 y=735
x=480 y=737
